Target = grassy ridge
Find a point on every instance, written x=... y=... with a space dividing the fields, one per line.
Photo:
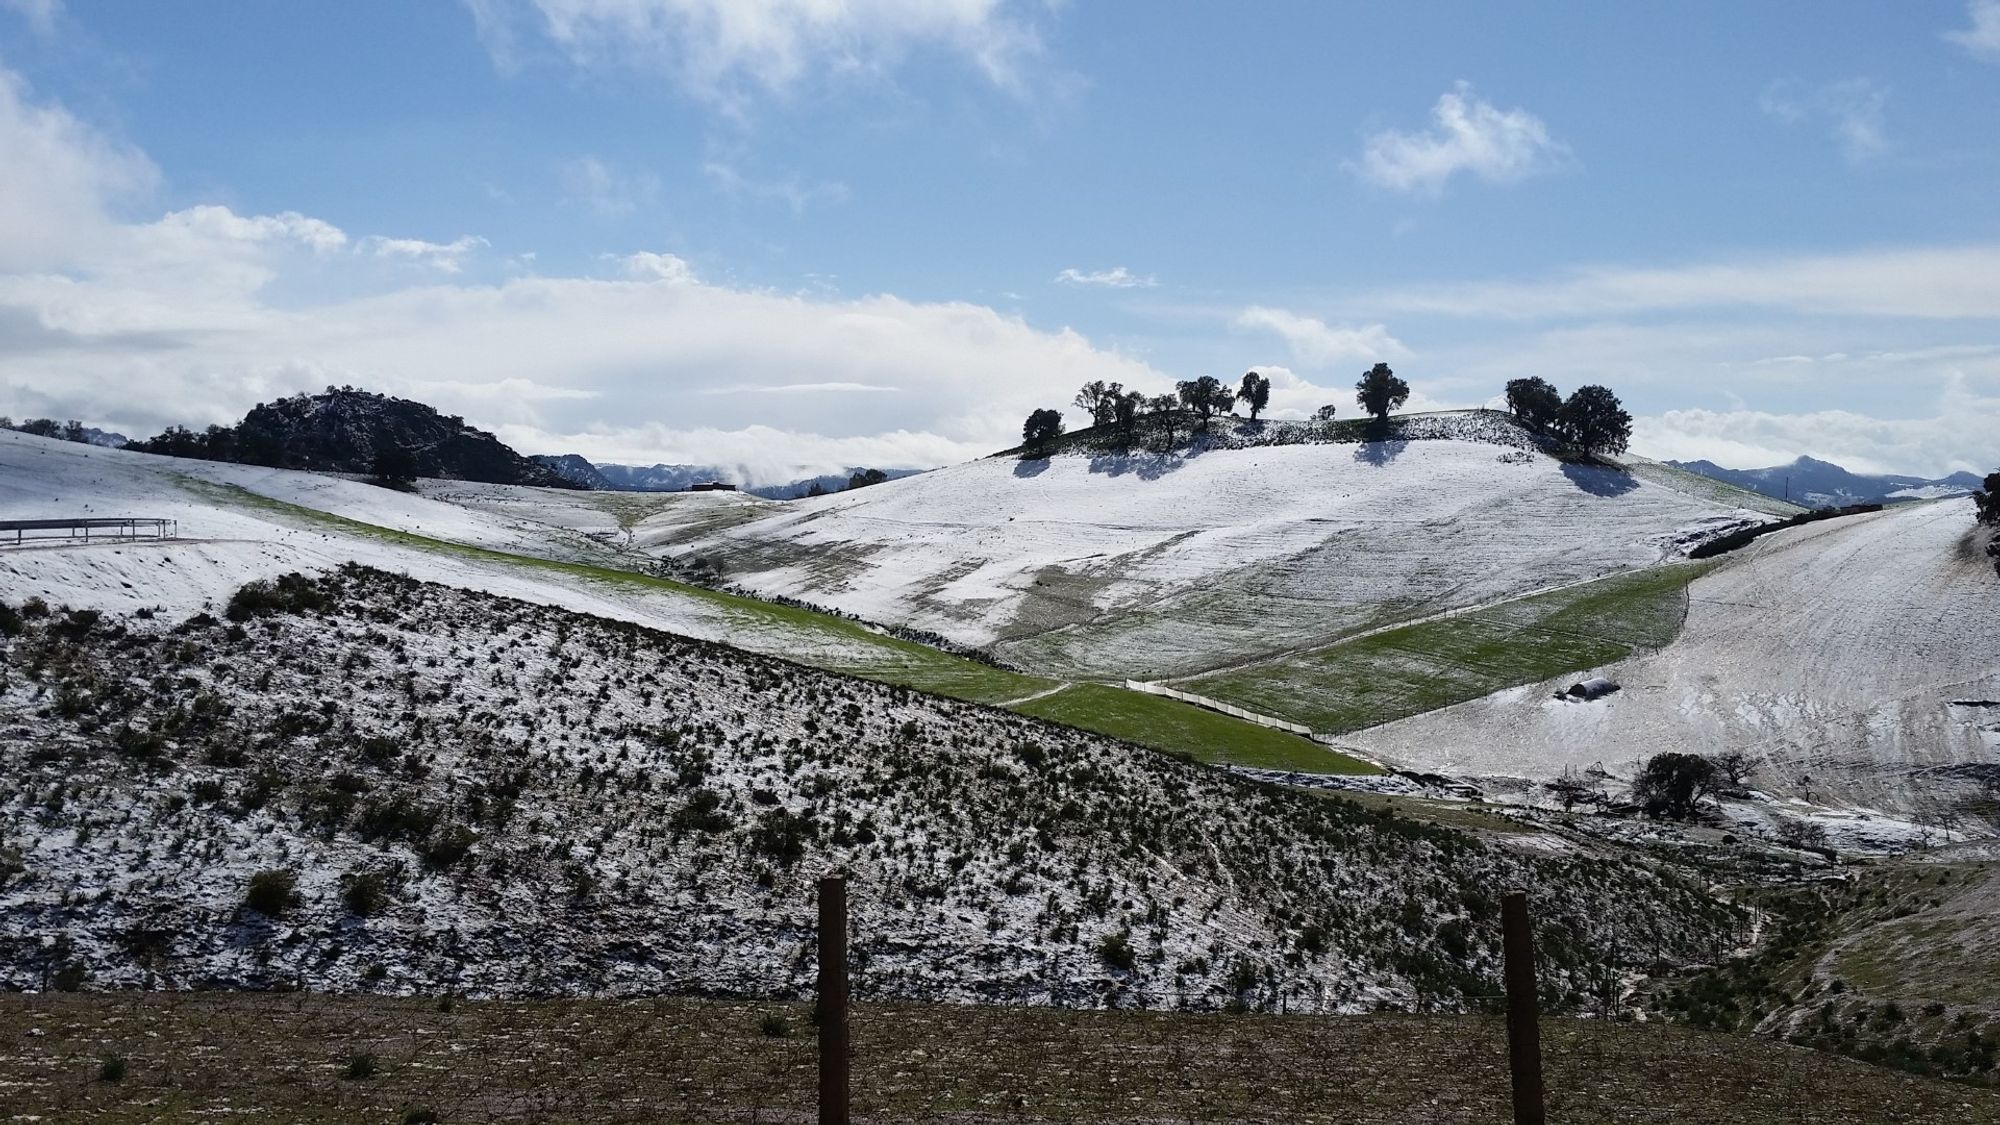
x=836 y=644
x=1417 y=668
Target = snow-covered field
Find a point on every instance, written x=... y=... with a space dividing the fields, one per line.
x=229 y=536
x=1854 y=660
x=1151 y=565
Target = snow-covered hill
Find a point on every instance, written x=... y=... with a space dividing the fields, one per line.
x=367 y=782
x=1853 y=659
x=1148 y=565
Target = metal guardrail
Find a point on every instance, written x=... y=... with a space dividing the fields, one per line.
x=17 y=533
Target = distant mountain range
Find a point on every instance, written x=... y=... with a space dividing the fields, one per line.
x=579 y=471
x=343 y=430
x=1822 y=484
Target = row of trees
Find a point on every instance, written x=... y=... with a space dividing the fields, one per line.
x=1591 y=418
x=71 y=430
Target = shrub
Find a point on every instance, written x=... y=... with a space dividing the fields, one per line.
x=448 y=846
x=775 y=1026
x=11 y=622
x=289 y=593
x=365 y=895
x=360 y=1066
x=702 y=813
x=273 y=893
x=112 y=1069
x=1116 y=951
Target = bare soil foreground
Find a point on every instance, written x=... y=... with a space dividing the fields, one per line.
x=314 y=1058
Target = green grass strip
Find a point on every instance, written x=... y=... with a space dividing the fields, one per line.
x=1169 y=724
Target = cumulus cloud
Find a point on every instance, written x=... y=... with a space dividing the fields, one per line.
x=649 y=266
x=195 y=315
x=1468 y=135
x=1932 y=282
x=445 y=257
x=606 y=189
x=63 y=181
x=1850 y=110
x=1982 y=39
x=1117 y=277
x=1933 y=444
x=1315 y=343
x=724 y=51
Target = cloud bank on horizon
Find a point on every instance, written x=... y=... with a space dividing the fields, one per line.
x=668 y=303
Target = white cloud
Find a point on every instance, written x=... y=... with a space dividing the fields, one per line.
x=1982 y=39
x=1931 y=445
x=1117 y=277
x=1850 y=110
x=445 y=257
x=722 y=51
x=40 y=14
x=62 y=181
x=1315 y=343
x=1471 y=135
x=606 y=189
x=1940 y=282
x=649 y=266
x=194 y=316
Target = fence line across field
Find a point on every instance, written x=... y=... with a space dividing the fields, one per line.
x=18 y=533
x=1218 y=705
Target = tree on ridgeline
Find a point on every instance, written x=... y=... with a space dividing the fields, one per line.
x=1255 y=392
x=866 y=478
x=1125 y=411
x=1165 y=412
x=1041 y=429
x=1326 y=413
x=1097 y=399
x=1207 y=397
x=1535 y=402
x=1594 y=421
x=1380 y=393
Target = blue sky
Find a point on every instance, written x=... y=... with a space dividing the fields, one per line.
x=783 y=235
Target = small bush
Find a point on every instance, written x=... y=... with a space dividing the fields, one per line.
x=112 y=1069
x=775 y=1026
x=365 y=895
x=289 y=593
x=1116 y=951
x=418 y=1115
x=11 y=622
x=273 y=893
x=360 y=1066
x=70 y=978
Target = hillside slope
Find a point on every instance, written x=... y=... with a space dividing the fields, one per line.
x=463 y=792
x=1149 y=565
x=240 y=523
x=1851 y=659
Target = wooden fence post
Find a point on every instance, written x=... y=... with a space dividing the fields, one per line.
x=833 y=1054
x=1524 y=1035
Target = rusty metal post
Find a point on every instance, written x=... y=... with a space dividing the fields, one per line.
x=1524 y=1034
x=833 y=1055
